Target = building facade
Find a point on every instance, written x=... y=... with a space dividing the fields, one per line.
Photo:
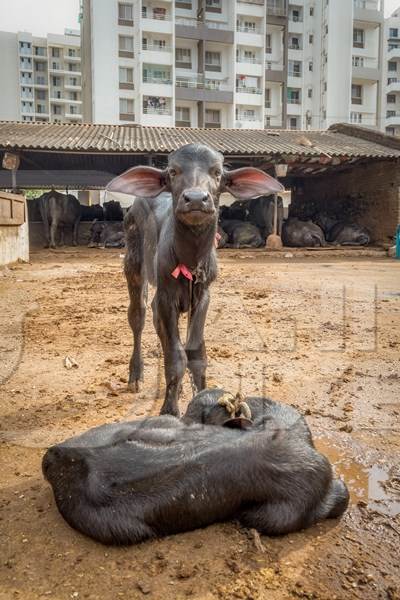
x=43 y=77
x=392 y=73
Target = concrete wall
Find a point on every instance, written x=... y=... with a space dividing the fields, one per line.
x=9 y=72
x=14 y=242
x=369 y=194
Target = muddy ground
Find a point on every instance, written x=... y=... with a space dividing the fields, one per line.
x=318 y=332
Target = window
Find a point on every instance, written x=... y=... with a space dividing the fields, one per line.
x=213 y=6
x=56 y=81
x=125 y=12
x=310 y=66
x=268 y=45
x=311 y=38
x=294 y=68
x=55 y=52
x=213 y=116
x=213 y=61
x=392 y=66
x=268 y=98
x=126 y=106
x=393 y=32
x=391 y=98
x=311 y=11
x=72 y=52
x=58 y=94
x=294 y=43
x=356 y=94
x=293 y=96
x=73 y=81
x=73 y=95
x=40 y=66
x=267 y=121
x=183 y=58
x=40 y=51
x=358 y=38
x=309 y=92
x=56 y=109
x=293 y=123
x=126 y=45
x=182 y=113
x=125 y=75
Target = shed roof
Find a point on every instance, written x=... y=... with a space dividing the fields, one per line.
x=338 y=141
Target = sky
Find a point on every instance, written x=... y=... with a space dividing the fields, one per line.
x=53 y=16
x=39 y=16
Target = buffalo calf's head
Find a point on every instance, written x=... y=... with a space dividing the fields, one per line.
x=195 y=176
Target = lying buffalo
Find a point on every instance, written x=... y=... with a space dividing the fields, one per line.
x=298 y=233
x=242 y=234
x=113 y=211
x=59 y=211
x=341 y=233
x=107 y=234
x=127 y=482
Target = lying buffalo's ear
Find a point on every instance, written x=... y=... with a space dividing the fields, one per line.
x=238 y=423
x=146 y=182
x=248 y=182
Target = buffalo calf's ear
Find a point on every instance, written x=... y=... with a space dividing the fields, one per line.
x=248 y=182
x=146 y=182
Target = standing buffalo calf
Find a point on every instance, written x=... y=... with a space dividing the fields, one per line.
x=170 y=243
x=128 y=482
x=59 y=211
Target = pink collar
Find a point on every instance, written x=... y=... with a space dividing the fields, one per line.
x=182 y=270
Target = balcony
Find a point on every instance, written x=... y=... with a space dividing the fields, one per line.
x=156 y=22
x=368 y=12
x=392 y=118
x=393 y=53
x=248 y=95
x=244 y=29
x=73 y=115
x=212 y=125
x=198 y=88
x=151 y=110
x=274 y=71
x=252 y=66
x=248 y=90
x=393 y=85
x=277 y=8
x=25 y=51
x=209 y=31
x=152 y=47
x=157 y=80
x=72 y=58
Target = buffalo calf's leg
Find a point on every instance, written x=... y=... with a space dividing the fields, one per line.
x=136 y=318
x=165 y=319
x=195 y=346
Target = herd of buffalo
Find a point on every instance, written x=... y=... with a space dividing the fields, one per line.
x=244 y=224
x=227 y=457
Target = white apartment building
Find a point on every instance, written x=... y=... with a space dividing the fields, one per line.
x=233 y=63
x=392 y=73
x=43 y=77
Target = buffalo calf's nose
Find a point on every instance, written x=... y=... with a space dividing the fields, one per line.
x=195 y=195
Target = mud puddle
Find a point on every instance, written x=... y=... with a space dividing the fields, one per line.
x=378 y=485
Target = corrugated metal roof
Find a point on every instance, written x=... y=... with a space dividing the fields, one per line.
x=340 y=141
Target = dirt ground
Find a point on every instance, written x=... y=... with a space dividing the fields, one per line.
x=319 y=332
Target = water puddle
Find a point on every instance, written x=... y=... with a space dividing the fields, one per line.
x=378 y=486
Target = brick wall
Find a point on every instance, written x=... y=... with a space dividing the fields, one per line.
x=368 y=194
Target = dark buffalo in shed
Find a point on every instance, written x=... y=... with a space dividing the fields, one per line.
x=113 y=211
x=127 y=482
x=34 y=214
x=107 y=234
x=302 y=234
x=59 y=211
x=237 y=211
x=170 y=243
x=242 y=234
x=89 y=213
x=261 y=214
x=341 y=233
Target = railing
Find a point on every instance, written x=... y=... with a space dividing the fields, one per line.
x=293 y=101
x=275 y=11
x=393 y=50
x=156 y=16
x=244 y=29
x=295 y=47
x=294 y=74
x=356 y=100
x=393 y=80
x=249 y=59
x=248 y=90
x=296 y=19
x=267 y=104
x=155 y=47
x=274 y=65
x=368 y=62
x=40 y=81
x=26 y=81
x=200 y=83
x=258 y=2
x=157 y=80
x=217 y=25
x=25 y=51
x=156 y=111
x=245 y=117
x=69 y=57
x=187 y=21
x=392 y=113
